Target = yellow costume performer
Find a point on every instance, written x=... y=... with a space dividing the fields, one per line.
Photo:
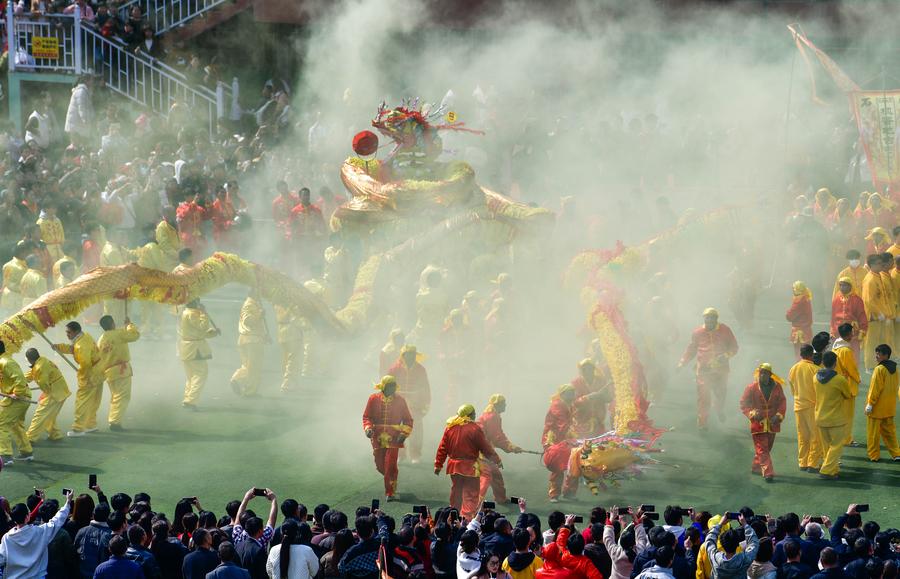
x=53 y=235
x=115 y=360
x=161 y=255
x=194 y=328
x=846 y=367
x=12 y=412
x=33 y=284
x=13 y=271
x=114 y=254
x=802 y=378
x=252 y=337
x=832 y=391
x=54 y=392
x=290 y=338
x=881 y=406
x=880 y=312
x=90 y=378
x=59 y=278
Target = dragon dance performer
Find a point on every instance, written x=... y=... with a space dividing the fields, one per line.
x=878 y=308
x=881 y=406
x=556 y=459
x=290 y=338
x=194 y=328
x=854 y=271
x=832 y=395
x=12 y=410
x=115 y=361
x=764 y=404
x=800 y=315
x=492 y=425
x=848 y=308
x=592 y=397
x=390 y=353
x=462 y=444
x=33 y=284
x=161 y=255
x=413 y=385
x=90 y=378
x=13 y=270
x=52 y=233
x=557 y=432
x=847 y=367
x=802 y=379
x=713 y=344
x=54 y=392
x=253 y=335
x=114 y=254
x=387 y=423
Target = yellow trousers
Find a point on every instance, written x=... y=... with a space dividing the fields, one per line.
x=248 y=376
x=876 y=429
x=151 y=317
x=120 y=391
x=849 y=414
x=87 y=402
x=291 y=363
x=44 y=420
x=833 y=443
x=196 y=372
x=878 y=333
x=809 y=443
x=116 y=309
x=12 y=428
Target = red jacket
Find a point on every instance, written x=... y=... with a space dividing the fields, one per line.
x=580 y=566
x=848 y=310
x=307 y=221
x=492 y=425
x=800 y=316
x=766 y=410
x=281 y=209
x=557 y=422
x=462 y=444
x=412 y=384
x=552 y=568
x=388 y=419
x=556 y=457
x=708 y=345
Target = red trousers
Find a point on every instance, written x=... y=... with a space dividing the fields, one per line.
x=762 y=446
x=711 y=383
x=561 y=482
x=464 y=494
x=386 y=463
x=492 y=479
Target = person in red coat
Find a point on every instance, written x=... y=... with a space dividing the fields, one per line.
x=556 y=459
x=592 y=396
x=848 y=308
x=387 y=423
x=222 y=212
x=572 y=554
x=282 y=205
x=558 y=420
x=461 y=447
x=190 y=216
x=308 y=231
x=714 y=345
x=492 y=425
x=412 y=384
x=800 y=315
x=764 y=404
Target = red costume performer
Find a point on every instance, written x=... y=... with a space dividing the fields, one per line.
x=492 y=425
x=592 y=396
x=189 y=216
x=412 y=384
x=556 y=459
x=463 y=443
x=223 y=214
x=848 y=308
x=557 y=431
x=800 y=315
x=764 y=404
x=281 y=208
x=713 y=344
x=387 y=422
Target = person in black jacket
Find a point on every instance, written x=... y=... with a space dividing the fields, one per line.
x=138 y=552
x=794 y=568
x=828 y=561
x=659 y=537
x=443 y=550
x=251 y=551
x=62 y=560
x=596 y=550
x=202 y=559
x=863 y=551
x=168 y=554
x=499 y=542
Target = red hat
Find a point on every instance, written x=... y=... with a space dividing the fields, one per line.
x=365 y=143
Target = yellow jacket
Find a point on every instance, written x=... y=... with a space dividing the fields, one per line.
x=194 y=328
x=857 y=275
x=87 y=356
x=47 y=376
x=883 y=392
x=32 y=286
x=802 y=378
x=289 y=326
x=12 y=381
x=252 y=327
x=52 y=232
x=13 y=270
x=58 y=278
x=890 y=296
x=161 y=254
x=113 y=254
x=846 y=367
x=830 y=399
x=873 y=296
x=115 y=358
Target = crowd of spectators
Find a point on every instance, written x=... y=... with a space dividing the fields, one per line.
x=125 y=537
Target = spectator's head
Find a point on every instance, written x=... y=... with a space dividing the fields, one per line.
x=338 y=520
x=672 y=516
x=870 y=529
x=575 y=544
x=657 y=538
x=792 y=550
x=468 y=542
x=406 y=536
x=118 y=545
x=764 y=553
x=365 y=527
x=664 y=556
x=862 y=548
x=19 y=513
x=202 y=538
x=254 y=527
x=119 y=501
x=101 y=513
x=555 y=521
x=521 y=539
x=289 y=508
x=730 y=540
x=490 y=565
x=226 y=551
x=828 y=558
x=232 y=509
x=814 y=531
x=48 y=508
x=207 y=520
x=116 y=522
x=82 y=509
x=319 y=513
x=190 y=522
x=502 y=526
x=598 y=515
x=693 y=534
x=854 y=521
x=136 y=536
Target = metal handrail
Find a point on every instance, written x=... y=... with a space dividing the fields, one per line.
x=164 y=15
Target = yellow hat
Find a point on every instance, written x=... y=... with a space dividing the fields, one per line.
x=877 y=231
x=766 y=366
x=565 y=388
x=464 y=415
x=800 y=289
x=846 y=279
x=407 y=349
x=385 y=381
x=494 y=400
x=711 y=312
x=585 y=363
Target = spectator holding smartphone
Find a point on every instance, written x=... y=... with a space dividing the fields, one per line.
x=23 y=549
x=728 y=563
x=623 y=549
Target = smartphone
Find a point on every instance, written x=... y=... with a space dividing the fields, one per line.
x=862 y=508
x=732 y=516
x=816 y=520
x=648 y=508
x=257 y=492
x=66 y=492
x=579 y=519
x=310 y=517
x=420 y=510
x=514 y=500
x=376 y=504
x=189 y=499
x=37 y=492
x=488 y=505
x=652 y=516
x=92 y=481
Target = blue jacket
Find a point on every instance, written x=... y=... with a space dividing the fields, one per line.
x=92 y=546
x=118 y=568
x=143 y=557
x=808 y=553
x=228 y=570
x=833 y=573
x=498 y=544
x=198 y=563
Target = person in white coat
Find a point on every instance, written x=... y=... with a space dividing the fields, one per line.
x=80 y=115
x=291 y=559
x=23 y=550
x=632 y=540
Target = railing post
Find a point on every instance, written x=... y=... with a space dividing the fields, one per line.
x=77 y=39
x=12 y=39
